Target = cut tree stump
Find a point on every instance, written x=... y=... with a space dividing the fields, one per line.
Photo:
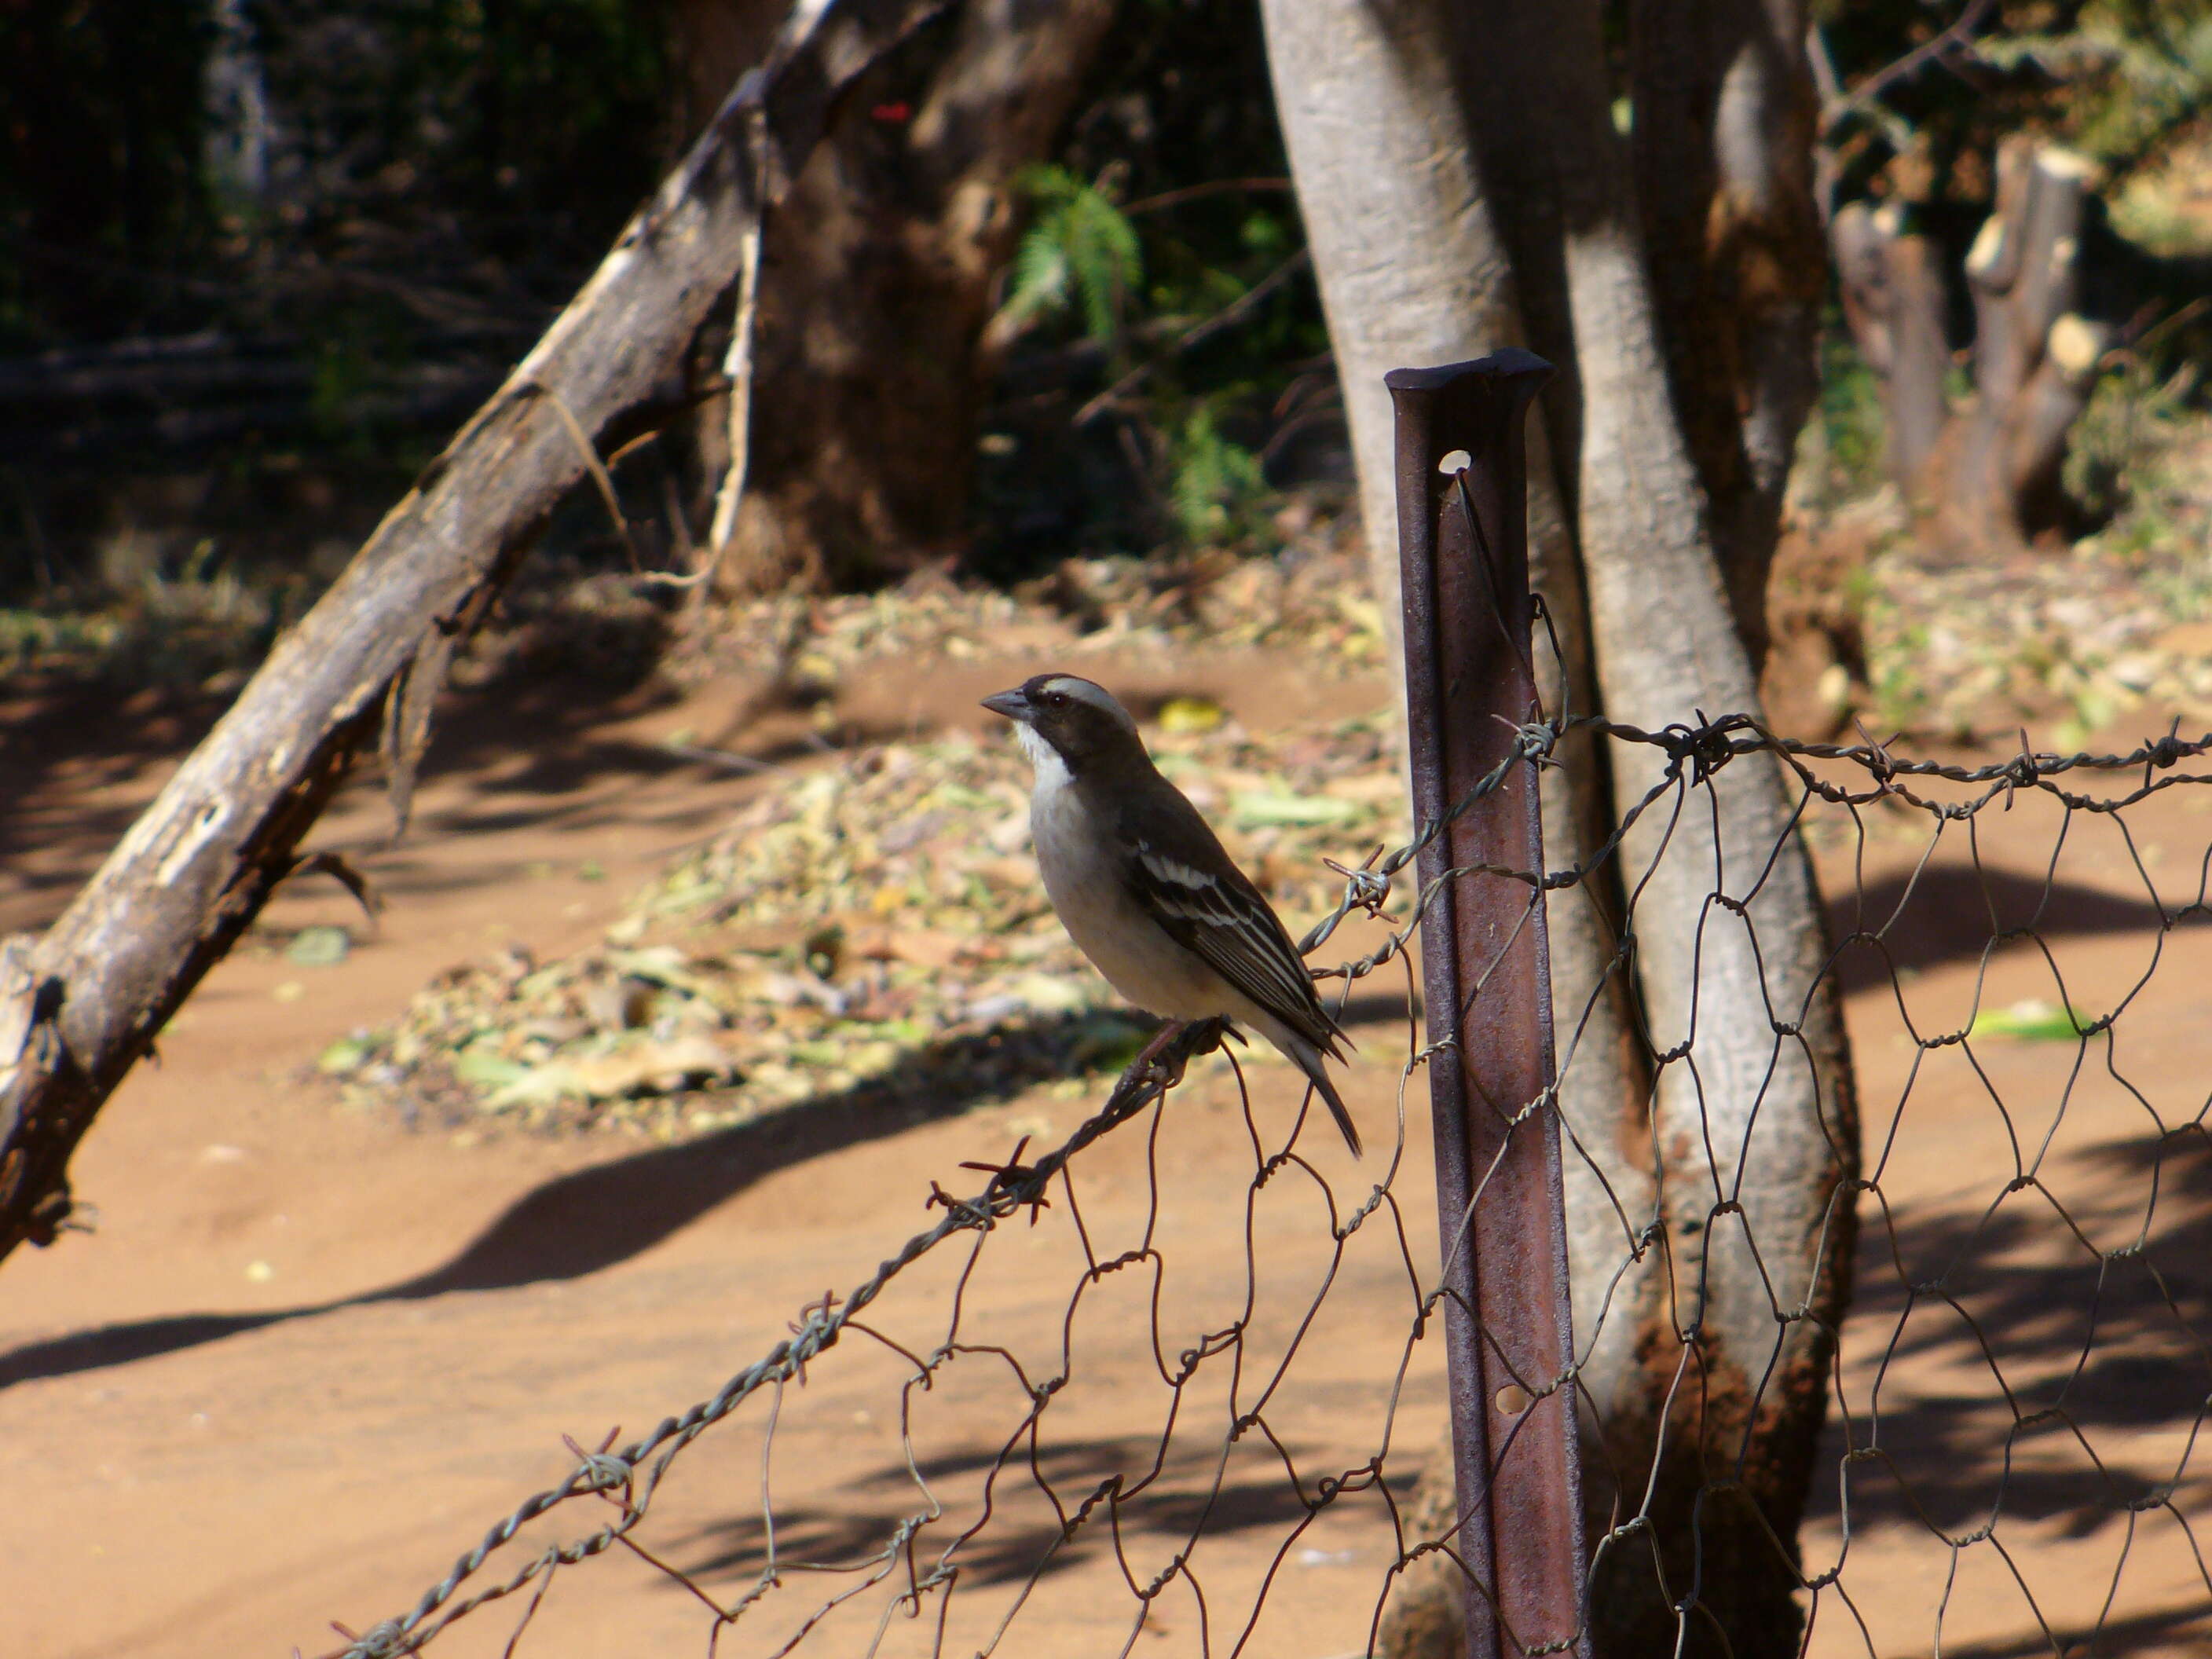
x=1987 y=473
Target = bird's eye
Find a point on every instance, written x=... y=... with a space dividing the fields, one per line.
x=1055 y=699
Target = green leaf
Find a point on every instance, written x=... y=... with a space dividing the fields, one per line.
x=344 y=1055
x=1081 y=254
x=1211 y=476
x=320 y=947
x=480 y=1070
x=1258 y=810
x=2031 y=1021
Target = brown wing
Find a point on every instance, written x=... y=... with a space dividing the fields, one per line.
x=1183 y=876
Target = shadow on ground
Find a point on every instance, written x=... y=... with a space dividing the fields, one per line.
x=2064 y=1353
x=1952 y=913
x=597 y=1218
x=1163 y=1492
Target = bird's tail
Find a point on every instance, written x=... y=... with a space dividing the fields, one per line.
x=1309 y=1061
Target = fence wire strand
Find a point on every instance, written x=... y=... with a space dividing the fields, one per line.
x=2049 y=1291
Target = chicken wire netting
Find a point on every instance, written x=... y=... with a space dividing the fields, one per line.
x=1173 y=1384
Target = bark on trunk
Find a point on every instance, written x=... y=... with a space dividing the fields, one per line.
x=1406 y=229
x=715 y=42
x=876 y=282
x=1753 y=1118
x=1411 y=272
x=1724 y=111
x=80 y=1005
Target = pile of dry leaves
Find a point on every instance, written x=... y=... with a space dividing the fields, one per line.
x=2087 y=634
x=1317 y=603
x=872 y=927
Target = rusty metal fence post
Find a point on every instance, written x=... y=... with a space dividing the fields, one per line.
x=1464 y=569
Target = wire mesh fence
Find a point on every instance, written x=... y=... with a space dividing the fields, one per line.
x=1210 y=1437
x=1879 y=1350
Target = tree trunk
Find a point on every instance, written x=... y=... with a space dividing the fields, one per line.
x=2034 y=361
x=1411 y=272
x=1990 y=473
x=715 y=41
x=1773 y=1112
x=1722 y=140
x=1893 y=304
x=79 y=1006
x=875 y=281
x=1414 y=181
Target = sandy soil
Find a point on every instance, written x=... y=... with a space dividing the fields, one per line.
x=309 y=1355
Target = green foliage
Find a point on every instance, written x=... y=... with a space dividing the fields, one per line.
x=2133 y=73
x=1172 y=190
x=1212 y=481
x=1849 y=420
x=2117 y=448
x=1080 y=256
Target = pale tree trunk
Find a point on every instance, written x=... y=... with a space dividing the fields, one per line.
x=1527 y=155
x=1724 y=110
x=1412 y=273
x=876 y=281
x=2034 y=359
x=1751 y=1117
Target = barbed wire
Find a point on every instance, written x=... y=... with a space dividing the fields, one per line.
x=1289 y=1383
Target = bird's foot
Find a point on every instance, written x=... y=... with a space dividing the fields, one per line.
x=1162 y=1040
x=1173 y=1047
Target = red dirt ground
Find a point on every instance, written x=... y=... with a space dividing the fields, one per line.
x=308 y=1355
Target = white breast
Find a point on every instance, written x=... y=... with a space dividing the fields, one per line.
x=1123 y=943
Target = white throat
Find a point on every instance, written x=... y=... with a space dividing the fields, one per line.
x=1052 y=773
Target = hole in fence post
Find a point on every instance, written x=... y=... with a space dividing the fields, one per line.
x=1455 y=461
x=1512 y=1400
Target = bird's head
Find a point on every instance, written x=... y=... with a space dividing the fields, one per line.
x=1072 y=718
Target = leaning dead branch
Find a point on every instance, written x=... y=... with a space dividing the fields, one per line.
x=79 y=1006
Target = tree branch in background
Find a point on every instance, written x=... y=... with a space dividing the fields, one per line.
x=1227 y=317
x=1212 y=187
x=1836 y=103
x=2035 y=360
x=79 y=1006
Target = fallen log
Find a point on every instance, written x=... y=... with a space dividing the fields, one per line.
x=79 y=1004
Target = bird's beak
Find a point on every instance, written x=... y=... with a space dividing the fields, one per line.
x=1013 y=704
